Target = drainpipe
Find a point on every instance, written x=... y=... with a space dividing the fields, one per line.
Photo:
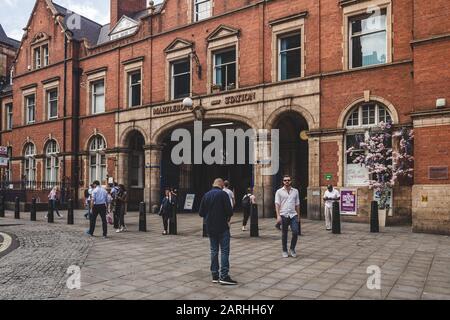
x=64 y=115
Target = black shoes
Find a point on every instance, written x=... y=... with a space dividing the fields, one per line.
x=215 y=279
x=227 y=282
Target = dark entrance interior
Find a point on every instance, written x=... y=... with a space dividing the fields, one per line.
x=198 y=178
x=294 y=155
x=136 y=173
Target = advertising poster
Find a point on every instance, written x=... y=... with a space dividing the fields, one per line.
x=349 y=202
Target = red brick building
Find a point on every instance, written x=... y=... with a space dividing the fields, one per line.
x=93 y=102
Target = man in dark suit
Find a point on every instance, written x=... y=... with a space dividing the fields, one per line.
x=216 y=209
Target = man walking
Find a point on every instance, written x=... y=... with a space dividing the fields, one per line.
x=230 y=193
x=331 y=195
x=287 y=203
x=216 y=209
x=99 y=203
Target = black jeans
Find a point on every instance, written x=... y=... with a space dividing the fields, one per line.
x=247 y=213
x=120 y=214
x=165 y=218
x=293 y=222
x=99 y=210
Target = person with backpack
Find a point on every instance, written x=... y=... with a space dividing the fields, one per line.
x=248 y=202
x=120 y=207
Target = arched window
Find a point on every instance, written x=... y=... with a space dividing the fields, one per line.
x=360 y=121
x=97 y=159
x=51 y=164
x=30 y=165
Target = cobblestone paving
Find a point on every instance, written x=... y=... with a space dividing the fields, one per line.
x=137 y=265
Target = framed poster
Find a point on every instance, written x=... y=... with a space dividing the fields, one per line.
x=189 y=203
x=349 y=202
x=357 y=175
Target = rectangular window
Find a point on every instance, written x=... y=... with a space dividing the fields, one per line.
x=134 y=89
x=45 y=52
x=37 y=58
x=202 y=9
x=181 y=79
x=98 y=97
x=225 y=69
x=9 y=116
x=52 y=101
x=290 y=52
x=30 y=103
x=368 y=39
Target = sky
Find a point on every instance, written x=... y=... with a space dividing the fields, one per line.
x=14 y=14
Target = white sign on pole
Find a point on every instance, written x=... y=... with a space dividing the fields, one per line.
x=189 y=203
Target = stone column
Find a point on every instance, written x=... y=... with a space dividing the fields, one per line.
x=122 y=167
x=314 y=191
x=152 y=190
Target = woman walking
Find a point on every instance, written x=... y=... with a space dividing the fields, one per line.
x=166 y=210
x=121 y=207
x=248 y=202
x=53 y=198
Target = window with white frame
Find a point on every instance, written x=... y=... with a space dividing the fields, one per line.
x=98 y=96
x=368 y=42
x=97 y=159
x=37 y=58
x=180 y=79
x=52 y=103
x=290 y=56
x=361 y=120
x=51 y=164
x=202 y=9
x=45 y=55
x=225 y=69
x=8 y=173
x=30 y=109
x=9 y=116
x=134 y=88
x=30 y=165
x=41 y=56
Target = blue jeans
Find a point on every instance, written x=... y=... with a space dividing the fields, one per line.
x=223 y=242
x=293 y=222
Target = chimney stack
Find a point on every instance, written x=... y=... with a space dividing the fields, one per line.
x=120 y=8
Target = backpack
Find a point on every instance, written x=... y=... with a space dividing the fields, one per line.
x=246 y=202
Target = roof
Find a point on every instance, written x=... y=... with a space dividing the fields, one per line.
x=7 y=40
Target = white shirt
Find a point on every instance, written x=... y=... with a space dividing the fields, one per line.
x=230 y=195
x=331 y=195
x=287 y=202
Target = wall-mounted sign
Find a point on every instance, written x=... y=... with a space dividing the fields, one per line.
x=189 y=203
x=349 y=202
x=245 y=97
x=357 y=175
x=424 y=199
x=4 y=151
x=328 y=177
x=171 y=109
x=438 y=173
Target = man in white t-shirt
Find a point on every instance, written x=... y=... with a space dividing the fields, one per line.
x=331 y=195
x=230 y=193
x=287 y=205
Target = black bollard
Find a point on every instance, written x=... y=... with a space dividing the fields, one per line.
x=173 y=225
x=2 y=206
x=70 y=214
x=142 y=217
x=205 y=230
x=33 y=210
x=336 y=218
x=50 y=215
x=254 y=221
x=17 y=209
x=374 y=222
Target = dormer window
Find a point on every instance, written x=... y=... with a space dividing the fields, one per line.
x=125 y=27
x=202 y=9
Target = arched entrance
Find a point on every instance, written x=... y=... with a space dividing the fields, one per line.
x=136 y=169
x=294 y=154
x=197 y=178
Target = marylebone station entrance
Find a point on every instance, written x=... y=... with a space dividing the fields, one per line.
x=234 y=156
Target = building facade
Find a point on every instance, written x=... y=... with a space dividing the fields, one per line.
x=95 y=102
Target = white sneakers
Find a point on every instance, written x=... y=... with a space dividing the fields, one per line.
x=244 y=229
x=291 y=253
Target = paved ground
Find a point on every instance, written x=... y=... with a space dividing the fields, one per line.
x=149 y=266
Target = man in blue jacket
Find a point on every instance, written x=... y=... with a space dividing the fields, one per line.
x=216 y=209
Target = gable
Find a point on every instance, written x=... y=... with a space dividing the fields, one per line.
x=124 y=23
x=178 y=44
x=223 y=31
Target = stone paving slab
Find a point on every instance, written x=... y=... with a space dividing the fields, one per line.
x=134 y=265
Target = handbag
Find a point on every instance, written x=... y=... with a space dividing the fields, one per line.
x=109 y=219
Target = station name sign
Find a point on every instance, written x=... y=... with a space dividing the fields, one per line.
x=171 y=109
x=245 y=97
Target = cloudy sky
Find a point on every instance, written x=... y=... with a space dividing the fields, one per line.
x=14 y=14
